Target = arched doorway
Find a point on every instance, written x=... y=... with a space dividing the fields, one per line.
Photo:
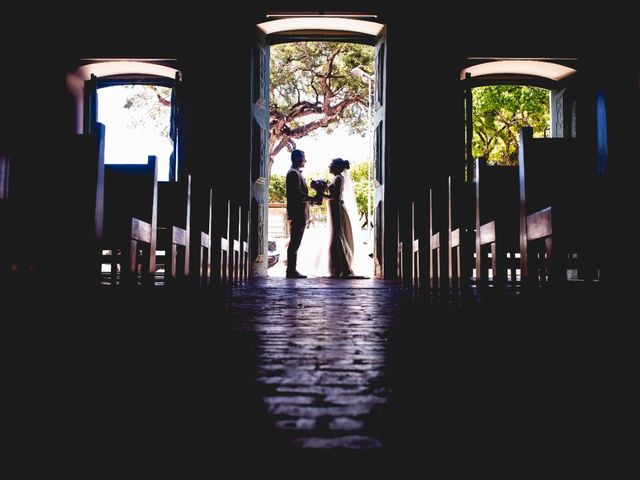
x=557 y=76
x=305 y=28
x=566 y=125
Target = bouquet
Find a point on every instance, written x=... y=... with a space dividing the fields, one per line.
x=320 y=186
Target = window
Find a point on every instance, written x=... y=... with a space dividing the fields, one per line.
x=137 y=121
x=137 y=102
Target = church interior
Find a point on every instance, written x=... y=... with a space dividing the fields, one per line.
x=495 y=334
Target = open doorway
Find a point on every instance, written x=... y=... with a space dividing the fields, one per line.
x=133 y=108
x=137 y=120
x=499 y=112
x=321 y=102
x=273 y=138
x=502 y=97
x=137 y=101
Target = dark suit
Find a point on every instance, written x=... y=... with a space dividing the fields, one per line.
x=298 y=213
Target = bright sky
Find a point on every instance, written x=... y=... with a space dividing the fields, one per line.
x=321 y=150
x=127 y=145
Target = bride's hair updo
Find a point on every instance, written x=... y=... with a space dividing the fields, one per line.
x=340 y=164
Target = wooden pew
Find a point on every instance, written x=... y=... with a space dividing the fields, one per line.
x=557 y=194
x=497 y=222
x=237 y=250
x=81 y=220
x=225 y=257
x=461 y=236
x=130 y=221
x=174 y=228
x=435 y=256
x=245 y=251
x=415 y=249
x=7 y=211
x=204 y=262
x=400 y=253
x=48 y=214
x=22 y=231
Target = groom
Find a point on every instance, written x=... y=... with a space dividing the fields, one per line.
x=298 y=200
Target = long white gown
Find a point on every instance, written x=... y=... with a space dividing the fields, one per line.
x=341 y=246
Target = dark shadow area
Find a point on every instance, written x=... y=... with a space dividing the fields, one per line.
x=525 y=383
x=113 y=383
x=99 y=383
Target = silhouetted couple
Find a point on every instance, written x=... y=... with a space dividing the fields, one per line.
x=341 y=245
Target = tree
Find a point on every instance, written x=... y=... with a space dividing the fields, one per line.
x=361 y=189
x=149 y=107
x=277 y=188
x=312 y=87
x=499 y=112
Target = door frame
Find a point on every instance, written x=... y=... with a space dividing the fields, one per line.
x=296 y=28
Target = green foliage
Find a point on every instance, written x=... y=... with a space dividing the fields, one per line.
x=312 y=86
x=362 y=187
x=277 y=188
x=499 y=112
x=358 y=171
x=297 y=71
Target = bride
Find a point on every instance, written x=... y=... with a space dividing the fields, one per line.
x=341 y=216
x=342 y=253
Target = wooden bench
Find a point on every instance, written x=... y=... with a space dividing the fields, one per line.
x=461 y=236
x=129 y=233
x=204 y=245
x=399 y=252
x=174 y=228
x=237 y=250
x=7 y=211
x=415 y=249
x=48 y=209
x=435 y=244
x=558 y=224
x=245 y=251
x=497 y=223
x=225 y=252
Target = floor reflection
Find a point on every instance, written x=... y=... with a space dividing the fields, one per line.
x=321 y=359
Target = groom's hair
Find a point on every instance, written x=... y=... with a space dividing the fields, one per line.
x=296 y=157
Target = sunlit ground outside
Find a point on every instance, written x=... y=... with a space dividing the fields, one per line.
x=314 y=243
x=320 y=149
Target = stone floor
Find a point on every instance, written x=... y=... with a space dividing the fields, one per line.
x=318 y=378
x=321 y=357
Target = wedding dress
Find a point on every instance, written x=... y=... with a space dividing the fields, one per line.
x=340 y=251
x=341 y=244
